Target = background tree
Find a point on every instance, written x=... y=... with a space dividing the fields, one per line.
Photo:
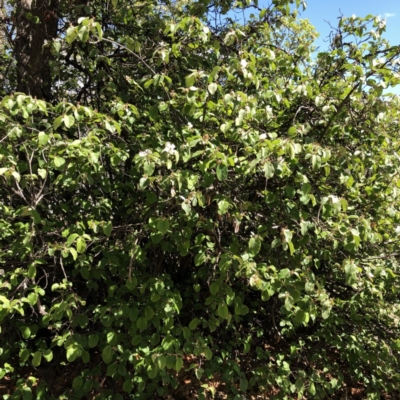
x=197 y=200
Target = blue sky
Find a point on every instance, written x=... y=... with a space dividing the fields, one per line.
x=322 y=12
x=319 y=11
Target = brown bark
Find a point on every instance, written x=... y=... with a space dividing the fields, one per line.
x=36 y=26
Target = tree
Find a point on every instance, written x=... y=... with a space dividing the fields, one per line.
x=187 y=198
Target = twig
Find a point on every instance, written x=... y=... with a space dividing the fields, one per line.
x=62 y=267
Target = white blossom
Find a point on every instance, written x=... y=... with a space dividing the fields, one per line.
x=269 y=111
x=263 y=136
x=190 y=125
x=169 y=148
x=144 y=153
x=243 y=63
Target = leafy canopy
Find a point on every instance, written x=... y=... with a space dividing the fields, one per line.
x=201 y=199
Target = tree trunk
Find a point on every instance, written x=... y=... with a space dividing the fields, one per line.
x=36 y=26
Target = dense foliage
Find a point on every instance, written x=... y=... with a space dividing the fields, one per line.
x=185 y=198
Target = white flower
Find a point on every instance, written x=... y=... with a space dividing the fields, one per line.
x=269 y=111
x=243 y=63
x=382 y=24
x=144 y=153
x=169 y=148
x=263 y=136
x=353 y=16
x=190 y=125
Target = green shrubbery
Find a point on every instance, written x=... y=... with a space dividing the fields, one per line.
x=215 y=203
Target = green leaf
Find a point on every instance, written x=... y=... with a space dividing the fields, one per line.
x=315 y=161
x=284 y=273
x=243 y=384
x=302 y=317
x=223 y=207
x=73 y=253
x=161 y=362
x=71 y=34
x=168 y=343
x=59 y=162
x=26 y=331
x=149 y=313
x=291 y=248
x=311 y=389
x=68 y=120
x=222 y=172
x=223 y=310
x=304 y=226
x=107 y=228
x=136 y=340
x=269 y=170
x=112 y=338
x=241 y=310
x=71 y=239
x=152 y=371
x=93 y=339
x=178 y=364
x=36 y=358
x=214 y=288
x=306 y=188
x=80 y=245
x=163 y=226
x=153 y=113
x=350 y=271
x=255 y=245
x=149 y=168
x=141 y=323
x=186 y=207
x=24 y=355
x=208 y=354
x=127 y=387
x=43 y=138
x=77 y=383
x=31 y=271
x=200 y=258
x=42 y=173
x=32 y=298
x=186 y=332
x=27 y=393
x=132 y=283
x=57 y=122
x=48 y=355
x=199 y=373
x=193 y=324
x=344 y=204
x=107 y=354
x=73 y=353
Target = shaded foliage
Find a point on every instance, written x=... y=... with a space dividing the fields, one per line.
x=200 y=197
